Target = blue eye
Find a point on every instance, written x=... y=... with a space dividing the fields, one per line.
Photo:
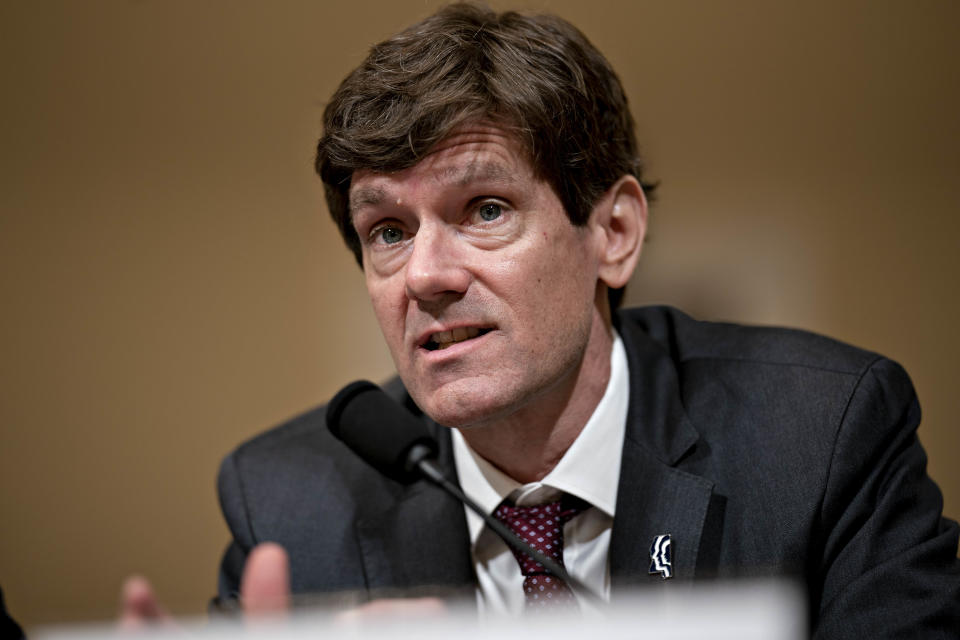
x=490 y=211
x=391 y=235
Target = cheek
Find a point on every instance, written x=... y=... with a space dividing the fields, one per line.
x=567 y=267
x=387 y=308
x=550 y=281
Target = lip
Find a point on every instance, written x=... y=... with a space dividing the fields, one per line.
x=456 y=348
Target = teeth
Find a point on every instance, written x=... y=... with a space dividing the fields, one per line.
x=446 y=338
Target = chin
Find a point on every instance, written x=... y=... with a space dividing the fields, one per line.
x=462 y=411
x=460 y=417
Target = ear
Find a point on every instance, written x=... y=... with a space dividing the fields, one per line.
x=620 y=224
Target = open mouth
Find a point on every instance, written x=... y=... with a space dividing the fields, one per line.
x=443 y=339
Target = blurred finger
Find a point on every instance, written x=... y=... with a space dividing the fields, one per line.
x=139 y=605
x=265 y=586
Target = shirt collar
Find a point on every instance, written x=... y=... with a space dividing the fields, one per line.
x=590 y=469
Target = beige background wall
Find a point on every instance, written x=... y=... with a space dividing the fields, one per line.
x=170 y=283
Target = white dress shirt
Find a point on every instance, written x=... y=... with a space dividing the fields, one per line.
x=590 y=470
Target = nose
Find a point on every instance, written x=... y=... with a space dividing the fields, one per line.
x=436 y=268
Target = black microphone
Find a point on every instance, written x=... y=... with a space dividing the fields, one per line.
x=383 y=433
x=394 y=442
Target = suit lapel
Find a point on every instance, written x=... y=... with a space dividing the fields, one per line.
x=655 y=497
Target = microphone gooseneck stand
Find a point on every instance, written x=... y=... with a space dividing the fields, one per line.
x=419 y=458
x=394 y=442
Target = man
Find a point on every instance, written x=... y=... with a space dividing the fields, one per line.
x=483 y=169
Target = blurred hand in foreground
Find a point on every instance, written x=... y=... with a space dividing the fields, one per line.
x=265 y=584
x=139 y=606
x=264 y=592
x=265 y=596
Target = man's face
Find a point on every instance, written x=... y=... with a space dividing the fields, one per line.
x=484 y=290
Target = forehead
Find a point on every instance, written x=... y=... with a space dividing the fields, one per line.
x=476 y=154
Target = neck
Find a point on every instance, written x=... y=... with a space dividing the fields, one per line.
x=528 y=444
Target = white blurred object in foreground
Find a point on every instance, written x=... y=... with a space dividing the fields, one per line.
x=743 y=610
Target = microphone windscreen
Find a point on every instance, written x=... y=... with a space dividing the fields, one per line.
x=378 y=429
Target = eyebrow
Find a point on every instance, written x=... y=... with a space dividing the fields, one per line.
x=478 y=172
x=366 y=197
x=460 y=176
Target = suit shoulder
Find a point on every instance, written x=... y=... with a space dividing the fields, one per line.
x=303 y=436
x=291 y=434
x=688 y=340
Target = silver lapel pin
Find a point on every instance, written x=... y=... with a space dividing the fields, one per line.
x=660 y=556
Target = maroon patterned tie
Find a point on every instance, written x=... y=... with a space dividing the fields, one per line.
x=542 y=528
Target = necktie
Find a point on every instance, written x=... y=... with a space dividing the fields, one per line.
x=541 y=526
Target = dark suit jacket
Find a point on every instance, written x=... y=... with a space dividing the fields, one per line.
x=9 y=629
x=762 y=451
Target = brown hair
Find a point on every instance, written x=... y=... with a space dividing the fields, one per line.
x=537 y=76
